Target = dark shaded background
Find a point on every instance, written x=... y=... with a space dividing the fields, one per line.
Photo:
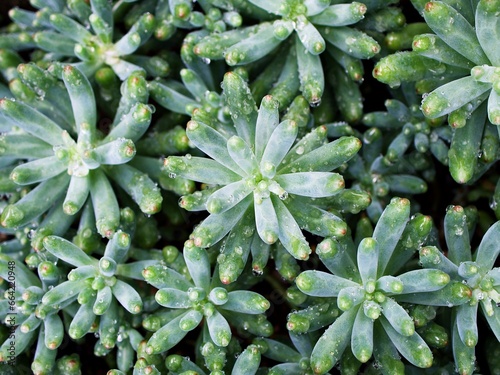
x=5 y=5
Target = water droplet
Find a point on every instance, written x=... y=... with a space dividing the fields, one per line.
x=283 y=196
x=257 y=272
x=315 y=102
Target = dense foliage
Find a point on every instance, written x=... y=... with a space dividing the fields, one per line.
x=249 y=187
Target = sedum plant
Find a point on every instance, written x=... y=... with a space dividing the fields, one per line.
x=198 y=298
x=475 y=270
x=70 y=158
x=222 y=187
x=461 y=51
x=368 y=294
x=261 y=171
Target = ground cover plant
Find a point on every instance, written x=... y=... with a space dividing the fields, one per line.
x=249 y=187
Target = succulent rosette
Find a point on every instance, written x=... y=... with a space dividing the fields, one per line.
x=264 y=173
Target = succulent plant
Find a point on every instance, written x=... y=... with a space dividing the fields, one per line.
x=221 y=187
x=368 y=294
x=262 y=171
x=479 y=277
x=190 y=301
x=314 y=23
x=100 y=47
x=69 y=168
x=457 y=64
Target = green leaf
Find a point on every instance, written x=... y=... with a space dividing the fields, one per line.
x=104 y=10
x=316 y=220
x=433 y=47
x=24 y=146
x=82 y=321
x=82 y=99
x=413 y=347
x=266 y=220
x=164 y=277
x=352 y=41
x=385 y=352
x=457 y=235
x=339 y=256
x=235 y=249
x=279 y=143
x=488 y=28
x=241 y=106
x=219 y=329
x=55 y=43
x=242 y=154
x=488 y=249
x=494 y=107
x=312 y=80
x=173 y=298
x=455 y=30
x=389 y=229
x=270 y=6
x=166 y=337
x=368 y=251
x=325 y=158
x=69 y=27
x=103 y=300
x=67 y=251
x=340 y=15
x=199 y=169
x=228 y=196
x=166 y=95
x=216 y=226
x=54 y=331
x=127 y=296
x=331 y=345
x=466 y=323
x=212 y=143
x=143 y=190
x=309 y=36
x=198 y=265
x=31 y=121
x=362 y=337
x=322 y=284
x=350 y=297
x=279 y=351
x=253 y=47
x=76 y=196
x=311 y=184
x=37 y=170
x=290 y=234
x=267 y=121
x=398 y=317
x=426 y=280
x=454 y=294
x=246 y=302
x=452 y=95
x=105 y=204
x=247 y=362
x=464 y=355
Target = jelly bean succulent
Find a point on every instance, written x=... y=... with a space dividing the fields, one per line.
x=249 y=187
